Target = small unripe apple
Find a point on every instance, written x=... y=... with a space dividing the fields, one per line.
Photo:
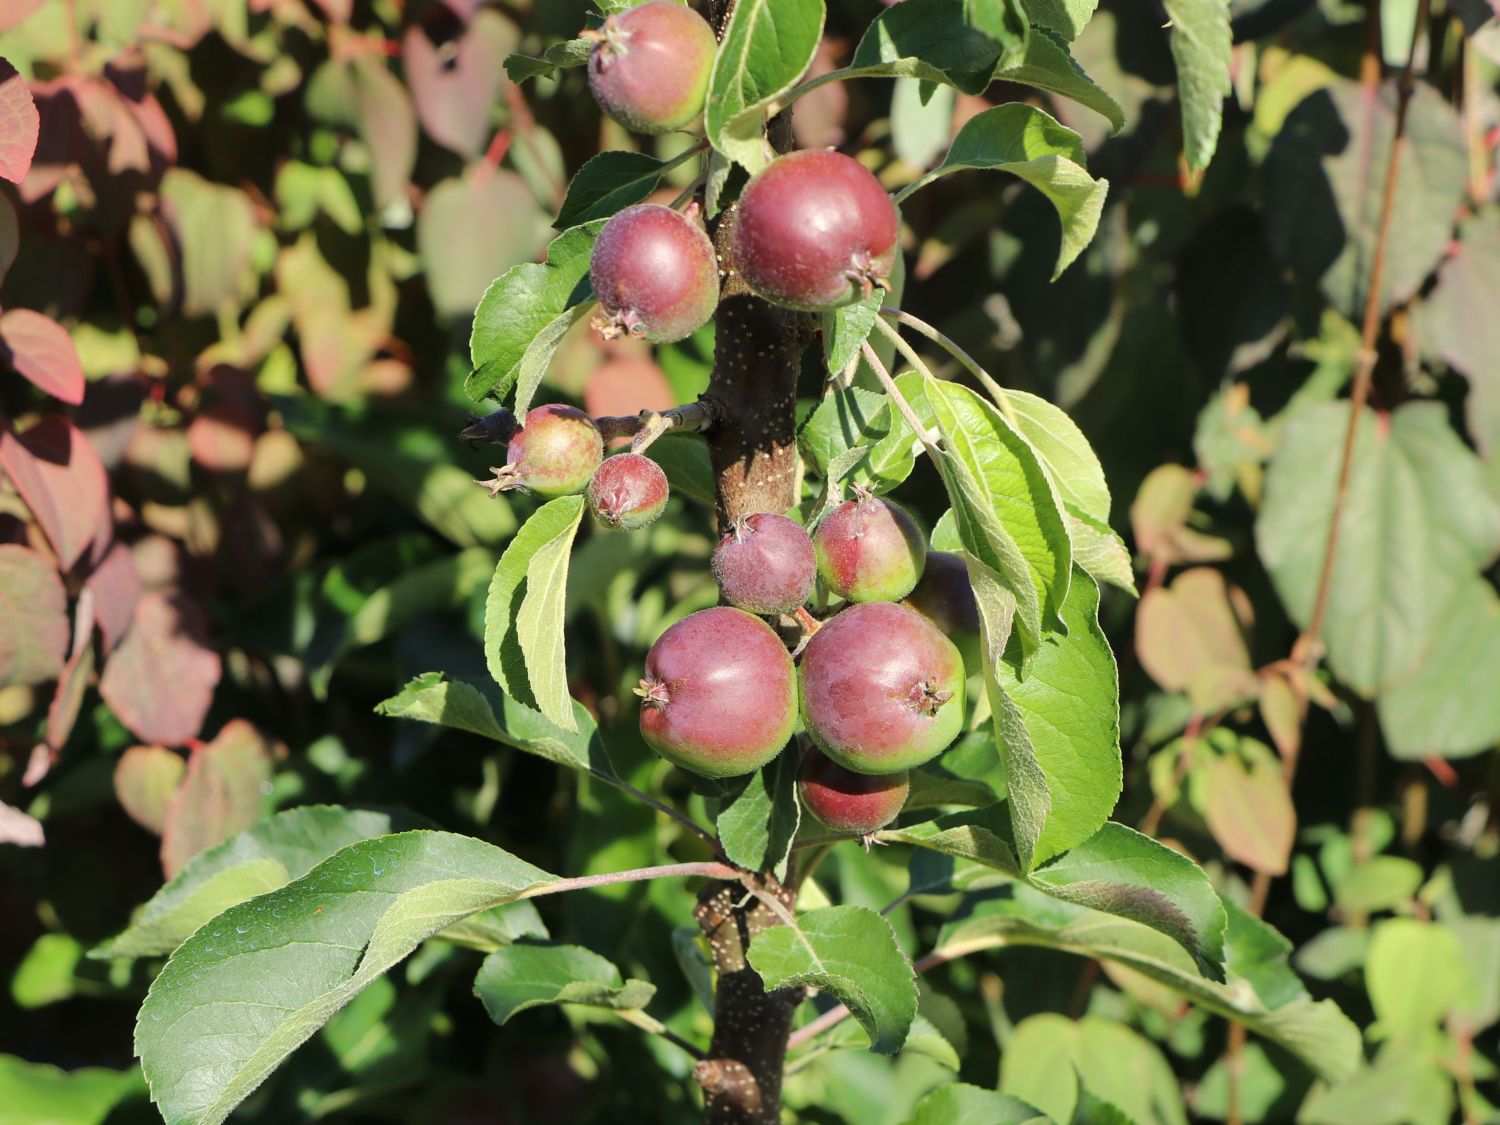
x=882 y=689
x=628 y=491
x=847 y=801
x=766 y=564
x=655 y=273
x=870 y=550
x=554 y=453
x=719 y=696
x=814 y=230
x=649 y=66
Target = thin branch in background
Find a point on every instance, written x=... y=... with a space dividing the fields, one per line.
x=1307 y=650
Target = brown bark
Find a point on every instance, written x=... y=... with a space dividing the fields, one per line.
x=741 y=1077
x=752 y=446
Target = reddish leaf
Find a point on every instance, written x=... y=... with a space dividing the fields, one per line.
x=456 y=82
x=221 y=795
x=10 y=236
x=33 y=617
x=62 y=142
x=222 y=437
x=63 y=482
x=338 y=11
x=146 y=778
x=18 y=828
x=387 y=125
x=1189 y=639
x=19 y=125
x=161 y=679
x=116 y=587
x=627 y=384
x=41 y=349
x=74 y=681
x=15 y=11
x=1250 y=813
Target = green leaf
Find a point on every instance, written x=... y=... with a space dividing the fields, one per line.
x=1324 y=181
x=1119 y=871
x=1064 y=17
x=1260 y=991
x=923 y=1039
x=1054 y=1063
x=1201 y=43
x=1048 y=65
x=523 y=615
x=559 y=56
x=270 y=855
x=538 y=355
x=848 y=327
x=1415 y=973
x=1024 y=141
x=497 y=927
x=1417 y=524
x=1402 y=1084
x=482 y=708
x=445 y=583
x=1064 y=452
x=255 y=983
x=1382 y=882
x=523 y=302
x=412 y=465
x=1448 y=706
x=1058 y=731
x=850 y=419
x=957 y=42
x=608 y=183
x=1009 y=514
x=756 y=825
x=959 y=1102
x=979 y=836
x=518 y=977
x=35 y=1094
x=684 y=458
x=921 y=120
x=766 y=47
x=1099 y=550
x=851 y=953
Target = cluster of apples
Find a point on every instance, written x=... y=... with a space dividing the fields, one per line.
x=879 y=685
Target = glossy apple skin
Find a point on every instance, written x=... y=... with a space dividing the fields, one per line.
x=846 y=801
x=649 y=67
x=719 y=696
x=628 y=491
x=870 y=550
x=943 y=595
x=882 y=690
x=655 y=273
x=814 y=230
x=555 y=452
x=766 y=564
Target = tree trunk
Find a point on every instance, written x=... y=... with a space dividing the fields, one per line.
x=752 y=445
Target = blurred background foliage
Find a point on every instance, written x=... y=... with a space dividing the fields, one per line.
x=245 y=259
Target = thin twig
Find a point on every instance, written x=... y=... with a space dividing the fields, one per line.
x=645 y=427
x=835 y=1016
x=900 y=400
x=667 y=810
x=636 y=875
x=968 y=362
x=650 y=1023
x=1305 y=651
